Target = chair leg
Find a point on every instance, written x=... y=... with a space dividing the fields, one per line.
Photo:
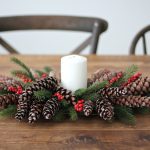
x=9 y=48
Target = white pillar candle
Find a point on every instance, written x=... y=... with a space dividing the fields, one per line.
x=74 y=72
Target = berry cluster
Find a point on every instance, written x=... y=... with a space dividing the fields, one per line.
x=79 y=105
x=132 y=79
x=116 y=78
x=24 y=78
x=59 y=96
x=17 y=90
x=44 y=75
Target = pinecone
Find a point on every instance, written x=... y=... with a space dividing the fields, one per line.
x=68 y=95
x=112 y=92
x=101 y=75
x=50 y=108
x=8 y=99
x=35 y=111
x=133 y=101
x=140 y=87
x=88 y=107
x=26 y=97
x=104 y=109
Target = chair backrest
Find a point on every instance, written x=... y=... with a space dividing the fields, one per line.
x=139 y=35
x=87 y=24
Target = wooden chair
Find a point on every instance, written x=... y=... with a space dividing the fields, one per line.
x=139 y=35
x=94 y=25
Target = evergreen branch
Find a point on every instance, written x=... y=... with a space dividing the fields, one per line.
x=124 y=115
x=73 y=114
x=91 y=89
x=2 y=92
x=8 y=112
x=42 y=95
x=21 y=64
x=19 y=73
x=39 y=72
x=64 y=103
x=59 y=116
x=47 y=69
x=129 y=72
x=142 y=110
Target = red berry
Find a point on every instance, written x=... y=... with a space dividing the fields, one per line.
x=80 y=105
x=80 y=109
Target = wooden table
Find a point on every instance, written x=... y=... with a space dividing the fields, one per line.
x=84 y=134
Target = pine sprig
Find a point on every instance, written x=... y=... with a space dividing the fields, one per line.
x=59 y=116
x=19 y=73
x=142 y=110
x=39 y=72
x=129 y=72
x=91 y=89
x=124 y=115
x=47 y=69
x=73 y=114
x=23 y=66
x=42 y=95
x=8 y=112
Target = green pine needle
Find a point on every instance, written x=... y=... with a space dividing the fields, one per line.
x=39 y=72
x=73 y=114
x=23 y=66
x=91 y=89
x=8 y=112
x=64 y=103
x=42 y=95
x=60 y=116
x=124 y=115
x=2 y=92
x=47 y=69
x=20 y=72
x=129 y=72
x=142 y=110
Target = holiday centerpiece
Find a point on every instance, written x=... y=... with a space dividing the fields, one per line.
x=34 y=94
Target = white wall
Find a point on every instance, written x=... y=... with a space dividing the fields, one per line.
x=125 y=18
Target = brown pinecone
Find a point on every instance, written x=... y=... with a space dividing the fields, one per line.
x=140 y=87
x=35 y=111
x=68 y=95
x=88 y=107
x=26 y=97
x=104 y=109
x=112 y=92
x=100 y=76
x=8 y=99
x=50 y=108
x=133 y=101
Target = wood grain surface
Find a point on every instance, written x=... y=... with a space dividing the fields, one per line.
x=93 y=134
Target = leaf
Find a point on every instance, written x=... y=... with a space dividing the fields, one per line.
x=73 y=114
x=47 y=69
x=91 y=89
x=124 y=115
x=42 y=95
x=8 y=112
x=23 y=66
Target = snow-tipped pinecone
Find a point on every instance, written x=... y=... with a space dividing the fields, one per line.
x=104 y=109
x=133 y=101
x=67 y=94
x=100 y=76
x=35 y=111
x=140 y=87
x=26 y=97
x=8 y=99
x=88 y=107
x=112 y=92
x=50 y=108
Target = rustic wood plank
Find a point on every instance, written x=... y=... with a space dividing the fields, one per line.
x=83 y=134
